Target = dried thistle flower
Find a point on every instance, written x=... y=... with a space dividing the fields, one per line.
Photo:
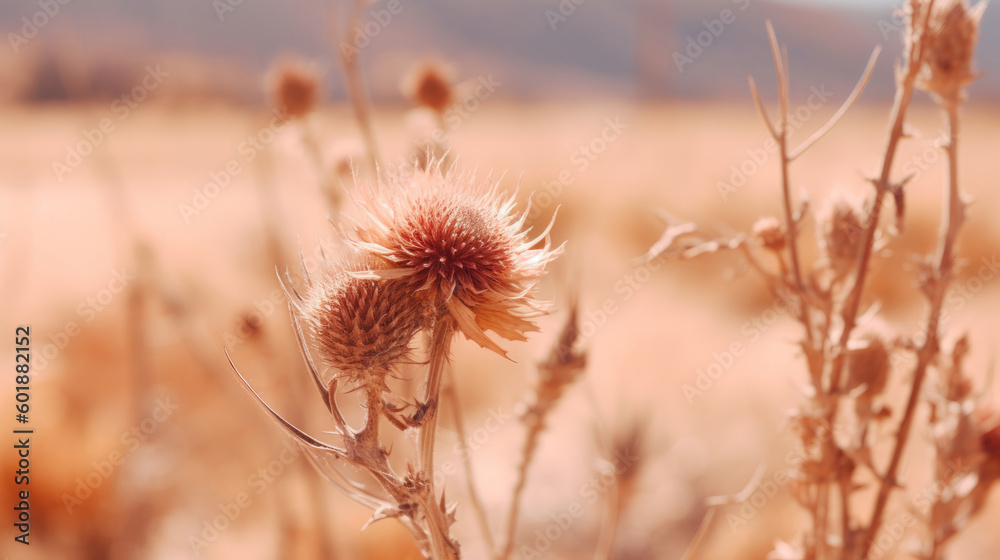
x=868 y=364
x=458 y=245
x=769 y=233
x=840 y=232
x=293 y=87
x=362 y=327
x=430 y=85
x=950 y=44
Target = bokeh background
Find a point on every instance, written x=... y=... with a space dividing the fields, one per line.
x=134 y=273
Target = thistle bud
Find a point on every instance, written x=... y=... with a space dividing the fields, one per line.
x=430 y=85
x=950 y=43
x=868 y=364
x=293 y=88
x=841 y=232
x=362 y=327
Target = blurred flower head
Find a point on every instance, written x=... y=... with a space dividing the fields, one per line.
x=950 y=44
x=293 y=86
x=429 y=85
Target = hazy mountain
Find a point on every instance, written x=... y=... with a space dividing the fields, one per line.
x=548 y=49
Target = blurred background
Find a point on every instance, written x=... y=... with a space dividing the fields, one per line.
x=148 y=191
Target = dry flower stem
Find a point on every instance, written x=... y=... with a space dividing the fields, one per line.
x=356 y=89
x=901 y=102
x=440 y=345
x=953 y=216
x=609 y=529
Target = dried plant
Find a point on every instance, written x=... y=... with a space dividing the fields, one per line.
x=431 y=254
x=429 y=85
x=293 y=88
x=849 y=354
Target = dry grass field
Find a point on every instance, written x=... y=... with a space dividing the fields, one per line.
x=649 y=332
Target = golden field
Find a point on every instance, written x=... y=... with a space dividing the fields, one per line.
x=193 y=283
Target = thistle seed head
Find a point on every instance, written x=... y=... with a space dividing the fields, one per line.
x=769 y=233
x=430 y=85
x=950 y=44
x=868 y=361
x=362 y=327
x=459 y=246
x=841 y=232
x=293 y=86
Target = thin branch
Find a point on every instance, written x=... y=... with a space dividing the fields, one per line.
x=779 y=69
x=953 y=216
x=843 y=108
x=356 y=88
x=760 y=108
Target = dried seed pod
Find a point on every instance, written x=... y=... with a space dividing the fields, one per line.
x=950 y=44
x=362 y=327
x=430 y=85
x=841 y=233
x=293 y=87
x=869 y=361
x=769 y=233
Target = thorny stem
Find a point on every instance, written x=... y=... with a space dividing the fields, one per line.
x=441 y=547
x=882 y=185
x=470 y=480
x=953 y=216
x=440 y=344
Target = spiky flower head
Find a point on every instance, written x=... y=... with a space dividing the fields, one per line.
x=429 y=85
x=362 y=327
x=950 y=43
x=840 y=232
x=458 y=245
x=293 y=87
x=869 y=362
